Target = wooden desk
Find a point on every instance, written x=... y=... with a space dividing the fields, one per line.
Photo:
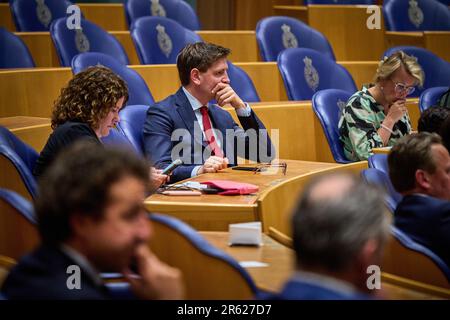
x=31 y=130
x=281 y=261
x=384 y=150
x=216 y=212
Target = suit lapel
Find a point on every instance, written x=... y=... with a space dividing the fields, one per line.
x=186 y=113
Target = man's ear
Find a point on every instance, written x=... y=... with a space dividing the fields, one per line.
x=422 y=179
x=195 y=76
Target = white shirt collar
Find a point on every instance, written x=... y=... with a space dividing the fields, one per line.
x=195 y=104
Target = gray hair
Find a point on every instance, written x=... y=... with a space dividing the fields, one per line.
x=330 y=232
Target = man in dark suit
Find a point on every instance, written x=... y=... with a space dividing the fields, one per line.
x=91 y=220
x=419 y=168
x=187 y=126
x=339 y=231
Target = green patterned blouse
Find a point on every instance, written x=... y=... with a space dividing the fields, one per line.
x=359 y=122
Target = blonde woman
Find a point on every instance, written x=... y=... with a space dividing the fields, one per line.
x=377 y=115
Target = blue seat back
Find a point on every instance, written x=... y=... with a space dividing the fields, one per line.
x=409 y=243
x=200 y=244
x=437 y=70
x=430 y=97
x=306 y=71
x=116 y=138
x=14 y=53
x=275 y=34
x=158 y=40
x=328 y=105
x=379 y=162
x=37 y=15
x=242 y=84
x=416 y=15
x=131 y=123
x=90 y=38
x=138 y=92
x=21 y=205
x=177 y=10
x=22 y=157
x=381 y=179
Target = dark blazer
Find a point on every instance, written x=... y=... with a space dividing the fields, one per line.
x=43 y=275
x=427 y=221
x=175 y=112
x=296 y=289
x=62 y=137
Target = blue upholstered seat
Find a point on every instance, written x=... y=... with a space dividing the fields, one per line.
x=90 y=38
x=381 y=179
x=158 y=40
x=328 y=105
x=37 y=15
x=13 y=51
x=131 y=123
x=275 y=34
x=138 y=91
x=242 y=84
x=416 y=15
x=306 y=71
x=177 y=10
x=379 y=161
x=22 y=158
x=430 y=97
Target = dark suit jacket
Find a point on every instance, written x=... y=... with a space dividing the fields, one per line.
x=295 y=289
x=62 y=137
x=43 y=275
x=427 y=221
x=175 y=112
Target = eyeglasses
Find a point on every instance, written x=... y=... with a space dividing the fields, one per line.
x=265 y=167
x=401 y=88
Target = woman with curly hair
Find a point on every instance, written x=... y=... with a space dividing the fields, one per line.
x=87 y=108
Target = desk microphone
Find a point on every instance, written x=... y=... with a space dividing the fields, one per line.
x=168 y=170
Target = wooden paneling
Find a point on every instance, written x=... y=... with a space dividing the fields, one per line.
x=31 y=92
x=346 y=30
x=31 y=130
x=248 y=12
x=109 y=16
x=362 y=71
x=294 y=11
x=41 y=48
x=439 y=43
x=125 y=40
x=216 y=14
x=6 y=19
x=242 y=43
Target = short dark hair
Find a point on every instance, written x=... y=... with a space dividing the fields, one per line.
x=79 y=182
x=200 y=55
x=410 y=153
x=329 y=233
x=431 y=120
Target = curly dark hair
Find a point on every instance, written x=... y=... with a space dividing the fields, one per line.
x=89 y=96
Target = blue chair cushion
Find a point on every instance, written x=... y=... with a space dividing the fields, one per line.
x=14 y=53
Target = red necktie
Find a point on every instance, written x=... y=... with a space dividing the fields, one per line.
x=207 y=128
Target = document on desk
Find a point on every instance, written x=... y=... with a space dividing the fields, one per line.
x=248 y=233
x=253 y=264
